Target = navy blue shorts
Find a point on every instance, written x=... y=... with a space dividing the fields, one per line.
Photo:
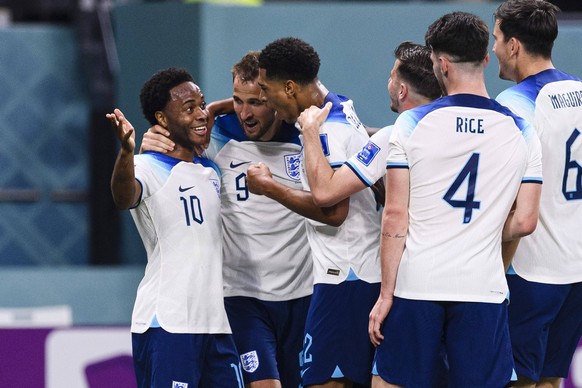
x=269 y=337
x=336 y=343
x=475 y=337
x=172 y=360
x=545 y=322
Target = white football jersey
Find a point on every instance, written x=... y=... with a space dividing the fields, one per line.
x=467 y=156
x=352 y=249
x=178 y=219
x=552 y=101
x=266 y=251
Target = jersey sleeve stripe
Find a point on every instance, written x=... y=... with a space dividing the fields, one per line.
x=359 y=174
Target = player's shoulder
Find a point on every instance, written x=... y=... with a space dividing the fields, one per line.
x=151 y=158
x=227 y=127
x=342 y=113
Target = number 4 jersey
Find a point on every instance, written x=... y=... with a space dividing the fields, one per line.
x=467 y=156
x=552 y=101
x=178 y=219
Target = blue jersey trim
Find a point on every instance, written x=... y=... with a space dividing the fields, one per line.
x=531 y=86
x=396 y=165
x=207 y=163
x=337 y=112
x=464 y=100
x=351 y=276
x=165 y=159
x=155 y=323
x=227 y=127
x=358 y=174
x=172 y=162
x=140 y=195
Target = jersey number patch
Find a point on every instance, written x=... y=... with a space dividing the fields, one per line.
x=468 y=172
x=192 y=209
x=241 y=187
x=572 y=172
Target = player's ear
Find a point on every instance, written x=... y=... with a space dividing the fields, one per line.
x=514 y=45
x=403 y=92
x=290 y=87
x=444 y=65
x=161 y=118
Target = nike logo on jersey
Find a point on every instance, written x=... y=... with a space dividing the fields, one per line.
x=182 y=189
x=235 y=165
x=303 y=371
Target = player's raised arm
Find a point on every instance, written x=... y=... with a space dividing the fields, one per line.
x=125 y=189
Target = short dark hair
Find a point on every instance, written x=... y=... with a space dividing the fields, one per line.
x=462 y=35
x=416 y=69
x=155 y=93
x=247 y=69
x=533 y=22
x=290 y=59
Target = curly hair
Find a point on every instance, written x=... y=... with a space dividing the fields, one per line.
x=462 y=35
x=247 y=69
x=155 y=93
x=416 y=69
x=533 y=22
x=290 y=59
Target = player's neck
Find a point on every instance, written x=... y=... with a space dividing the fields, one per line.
x=272 y=131
x=468 y=84
x=182 y=153
x=315 y=94
x=531 y=65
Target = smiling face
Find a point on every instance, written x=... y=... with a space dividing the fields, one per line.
x=273 y=92
x=185 y=115
x=256 y=117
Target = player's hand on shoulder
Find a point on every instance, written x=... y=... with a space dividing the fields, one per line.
x=313 y=117
x=157 y=139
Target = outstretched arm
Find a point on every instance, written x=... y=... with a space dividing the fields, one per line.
x=328 y=186
x=261 y=182
x=124 y=187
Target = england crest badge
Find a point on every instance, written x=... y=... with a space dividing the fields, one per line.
x=292 y=163
x=249 y=361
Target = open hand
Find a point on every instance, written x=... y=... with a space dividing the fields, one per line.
x=123 y=129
